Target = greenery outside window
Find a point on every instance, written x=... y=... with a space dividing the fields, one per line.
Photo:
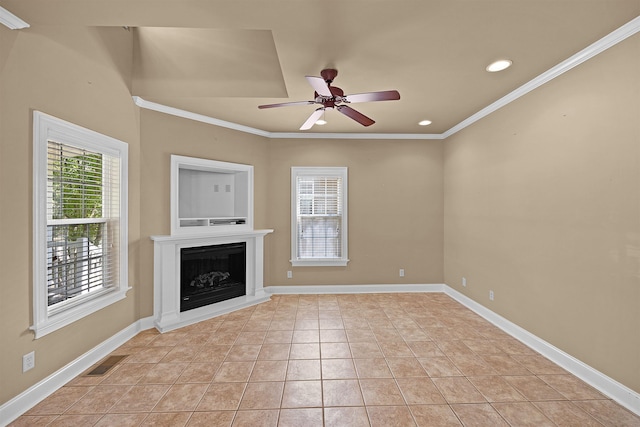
x=319 y=216
x=80 y=222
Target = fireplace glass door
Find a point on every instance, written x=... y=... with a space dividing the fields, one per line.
x=210 y=274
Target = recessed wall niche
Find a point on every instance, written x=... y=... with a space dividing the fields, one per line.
x=210 y=196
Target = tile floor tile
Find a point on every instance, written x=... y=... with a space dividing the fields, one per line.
x=533 y=388
x=402 y=367
x=365 y=350
x=420 y=391
x=304 y=351
x=384 y=416
x=210 y=419
x=263 y=395
x=307 y=417
x=308 y=369
x=566 y=414
x=334 y=369
x=478 y=415
x=458 y=390
x=222 y=397
x=140 y=398
x=334 y=350
x=301 y=394
x=269 y=370
x=496 y=389
x=571 y=387
x=609 y=413
x=168 y=419
x=234 y=372
x=253 y=418
x=381 y=391
x=181 y=397
x=372 y=368
x=346 y=416
x=341 y=393
x=522 y=414
x=434 y=415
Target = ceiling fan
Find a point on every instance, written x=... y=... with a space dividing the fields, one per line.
x=333 y=97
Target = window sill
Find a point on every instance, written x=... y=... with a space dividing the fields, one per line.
x=59 y=320
x=319 y=263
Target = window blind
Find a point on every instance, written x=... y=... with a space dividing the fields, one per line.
x=319 y=217
x=82 y=222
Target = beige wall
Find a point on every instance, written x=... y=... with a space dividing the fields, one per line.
x=395 y=210
x=542 y=206
x=80 y=75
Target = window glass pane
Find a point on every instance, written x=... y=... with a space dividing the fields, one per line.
x=319 y=237
x=74 y=260
x=75 y=182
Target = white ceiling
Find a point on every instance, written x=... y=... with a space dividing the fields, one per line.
x=223 y=58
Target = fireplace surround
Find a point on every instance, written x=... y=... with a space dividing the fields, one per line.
x=211 y=211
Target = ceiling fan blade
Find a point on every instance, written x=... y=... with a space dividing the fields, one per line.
x=286 y=104
x=386 y=95
x=319 y=85
x=312 y=119
x=355 y=115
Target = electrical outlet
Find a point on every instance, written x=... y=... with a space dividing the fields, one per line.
x=491 y=295
x=464 y=282
x=289 y=274
x=402 y=272
x=28 y=361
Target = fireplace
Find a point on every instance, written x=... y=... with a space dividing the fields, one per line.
x=210 y=274
x=212 y=262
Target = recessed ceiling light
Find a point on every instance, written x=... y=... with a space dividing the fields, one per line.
x=321 y=122
x=424 y=122
x=499 y=65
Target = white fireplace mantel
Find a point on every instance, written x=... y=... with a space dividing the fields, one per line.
x=166 y=281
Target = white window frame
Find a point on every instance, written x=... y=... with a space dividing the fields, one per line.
x=48 y=128
x=340 y=172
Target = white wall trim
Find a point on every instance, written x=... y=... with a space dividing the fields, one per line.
x=197 y=117
x=39 y=391
x=352 y=289
x=606 y=385
x=610 y=40
x=11 y=21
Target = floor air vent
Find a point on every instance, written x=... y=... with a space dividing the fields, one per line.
x=105 y=366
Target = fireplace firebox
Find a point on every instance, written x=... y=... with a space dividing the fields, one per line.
x=210 y=274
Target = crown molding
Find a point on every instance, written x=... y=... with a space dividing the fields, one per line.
x=11 y=21
x=148 y=105
x=610 y=40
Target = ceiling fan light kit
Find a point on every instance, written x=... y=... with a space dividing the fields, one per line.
x=333 y=97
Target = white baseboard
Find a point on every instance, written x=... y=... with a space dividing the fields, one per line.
x=606 y=385
x=38 y=392
x=352 y=289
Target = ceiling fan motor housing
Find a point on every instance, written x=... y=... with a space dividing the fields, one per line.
x=328 y=74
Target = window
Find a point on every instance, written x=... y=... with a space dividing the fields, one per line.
x=319 y=216
x=80 y=222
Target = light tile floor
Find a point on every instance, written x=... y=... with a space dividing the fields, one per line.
x=332 y=360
